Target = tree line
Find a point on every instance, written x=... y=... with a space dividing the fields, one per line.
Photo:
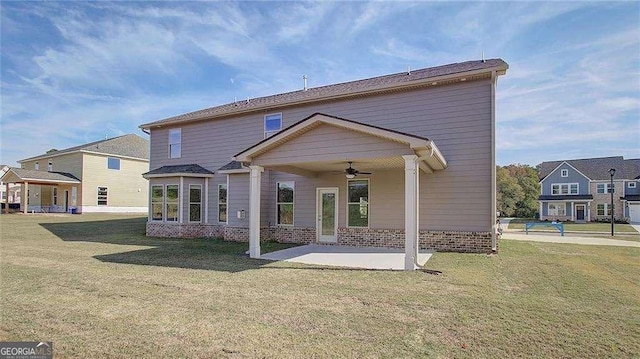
x=518 y=189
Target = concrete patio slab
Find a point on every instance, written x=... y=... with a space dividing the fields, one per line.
x=343 y=256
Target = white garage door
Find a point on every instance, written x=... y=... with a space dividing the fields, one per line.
x=634 y=212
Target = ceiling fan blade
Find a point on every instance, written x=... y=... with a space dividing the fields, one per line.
x=364 y=173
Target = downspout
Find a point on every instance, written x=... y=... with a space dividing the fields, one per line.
x=494 y=203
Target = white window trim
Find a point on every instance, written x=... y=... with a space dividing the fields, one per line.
x=556 y=205
x=119 y=164
x=50 y=166
x=165 y=203
x=564 y=173
x=227 y=202
x=190 y=203
x=151 y=203
x=293 y=185
x=607 y=209
x=607 y=187
x=368 y=203
x=36 y=166
x=98 y=196
x=631 y=185
x=264 y=124
x=568 y=185
x=179 y=130
x=54 y=196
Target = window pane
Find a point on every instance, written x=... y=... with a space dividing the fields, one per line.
x=285 y=214
x=574 y=188
x=172 y=212
x=194 y=194
x=157 y=192
x=113 y=163
x=174 y=150
x=272 y=123
x=222 y=213
x=175 y=136
x=357 y=217
x=172 y=193
x=222 y=193
x=358 y=190
x=156 y=211
x=328 y=213
x=285 y=192
x=194 y=212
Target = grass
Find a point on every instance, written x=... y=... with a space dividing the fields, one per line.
x=592 y=227
x=96 y=287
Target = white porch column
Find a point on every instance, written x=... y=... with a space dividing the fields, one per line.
x=25 y=194
x=254 y=211
x=6 y=202
x=206 y=200
x=410 y=212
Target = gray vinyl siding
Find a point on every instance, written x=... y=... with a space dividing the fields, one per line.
x=238 y=199
x=456 y=117
x=556 y=178
x=631 y=191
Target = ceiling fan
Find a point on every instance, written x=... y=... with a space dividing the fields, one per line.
x=352 y=172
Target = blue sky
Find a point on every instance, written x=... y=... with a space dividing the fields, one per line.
x=73 y=72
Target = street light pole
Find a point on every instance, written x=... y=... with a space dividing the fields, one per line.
x=611 y=172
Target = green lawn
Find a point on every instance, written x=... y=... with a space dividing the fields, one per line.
x=96 y=287
x=518 y=223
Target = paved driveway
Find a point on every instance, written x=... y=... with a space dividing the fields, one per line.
x=556 y=238
x=343 y=256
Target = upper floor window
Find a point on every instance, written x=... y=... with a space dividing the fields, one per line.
x=564 y=173
x=272 y=124
x=604 y=188
x=50 y=166
x=285 y=202
x=175 y=143
x=632 y=185
x=564 y=188
x=37 y=166
x=113 y=163
x=358 y=203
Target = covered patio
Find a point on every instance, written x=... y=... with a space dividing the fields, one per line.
x=62 y=194
x=322 y=143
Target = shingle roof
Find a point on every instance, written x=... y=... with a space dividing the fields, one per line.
x=37 y=175
x=381 y=83
x=631 y=197
x=233 y=165
x=179 y=169
x=128 y=146
x=597 y=168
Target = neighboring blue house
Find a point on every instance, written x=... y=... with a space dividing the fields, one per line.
x=579 y=190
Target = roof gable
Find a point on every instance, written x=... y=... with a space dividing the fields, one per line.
x=560 y=166
x=592 y=168
x=129 y=145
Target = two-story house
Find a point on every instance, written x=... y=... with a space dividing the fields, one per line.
x=9 y=192
x=390 y=161
x=101 y=176
x=580 y=190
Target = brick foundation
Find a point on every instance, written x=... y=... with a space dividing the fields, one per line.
x=441 y=241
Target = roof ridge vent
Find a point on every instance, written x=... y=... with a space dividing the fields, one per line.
x=304 y=80
x=409 y=70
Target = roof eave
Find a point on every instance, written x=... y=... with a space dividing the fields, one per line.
x=177 y=174
x=499 y=70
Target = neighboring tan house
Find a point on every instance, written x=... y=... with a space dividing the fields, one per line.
x=388 y=161
x=9 y=192
x=102 y=176
x=580 y=190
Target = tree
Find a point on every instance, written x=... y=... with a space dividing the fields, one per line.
x=518 y=189
x=52 y=151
